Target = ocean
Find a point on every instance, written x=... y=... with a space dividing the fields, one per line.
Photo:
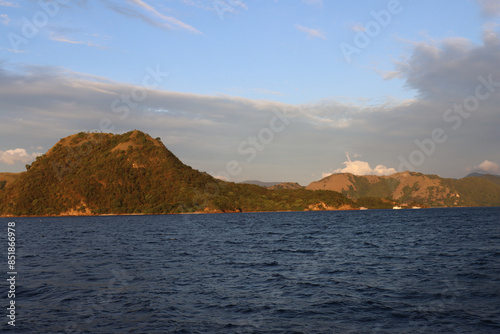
x=372 y=271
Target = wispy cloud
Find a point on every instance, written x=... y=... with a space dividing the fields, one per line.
x=4 y=3
x=311 y=33
x=132 y=13
x=4 y=19
x=105 y=37
x=65 y=39
x=154 y=16
x=267 y=91
x=13 y=50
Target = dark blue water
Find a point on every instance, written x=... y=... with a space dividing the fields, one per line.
x=375 y=271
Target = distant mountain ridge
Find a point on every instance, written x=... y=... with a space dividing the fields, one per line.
x=491 y=177
x=477 y=174
x=411 y=187
x=275 y=185
x=286 y=185
x=260 y=183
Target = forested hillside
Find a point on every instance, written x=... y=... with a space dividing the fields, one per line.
x=95 y=173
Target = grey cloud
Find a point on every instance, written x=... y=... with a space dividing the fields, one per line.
x=450 y=70
x=154 y=17
x=489 y=8
x=39 y=99
x=128 y=12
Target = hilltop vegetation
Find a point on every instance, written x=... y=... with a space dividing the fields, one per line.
x=96 y=173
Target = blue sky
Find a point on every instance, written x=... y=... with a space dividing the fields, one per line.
x=258 y=50
x=232 y=64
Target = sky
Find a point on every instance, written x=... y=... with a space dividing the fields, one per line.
x=268 y=90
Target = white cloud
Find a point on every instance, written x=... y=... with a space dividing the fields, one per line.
x=311 y=33
x=382 y=170
x=63 y=39
x=487 y=167
x=168 y=21
x=358 y=167
x=11 y=157
x=355 y=167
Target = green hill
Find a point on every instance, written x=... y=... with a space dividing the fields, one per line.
x=96 y=173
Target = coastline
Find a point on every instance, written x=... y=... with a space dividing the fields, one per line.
x=214 y=212
x=181 y=213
